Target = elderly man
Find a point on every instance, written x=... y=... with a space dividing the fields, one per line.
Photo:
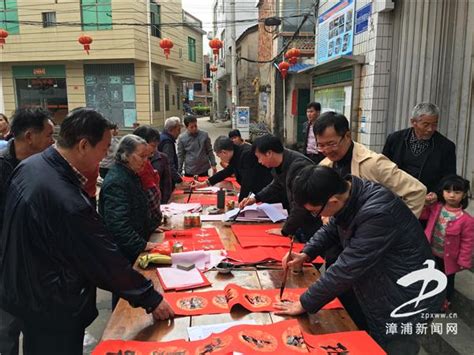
x=382 y=242
x=33 y=132
x=421 y=150
x=313 y=110
x=55 y=249
x=168 y=146
x=241 y=161
x=195 y=150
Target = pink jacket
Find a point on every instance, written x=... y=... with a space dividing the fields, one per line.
x=459 y=239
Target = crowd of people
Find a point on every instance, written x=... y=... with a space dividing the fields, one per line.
x=374 y=217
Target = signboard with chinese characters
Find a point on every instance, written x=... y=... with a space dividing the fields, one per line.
x=242 y=120
x=362 y=18
x=335 y=31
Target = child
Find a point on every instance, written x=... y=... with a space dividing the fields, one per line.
x=450 y=230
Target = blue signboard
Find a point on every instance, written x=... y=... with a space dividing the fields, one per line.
x=335 y=31
x=362 y=18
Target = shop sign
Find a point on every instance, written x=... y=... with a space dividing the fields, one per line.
x=362 y=18
x=335 y=31
x=39 y=71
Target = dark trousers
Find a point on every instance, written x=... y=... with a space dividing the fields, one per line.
x=103 y=172
x=57 y=340
x=450 y=286
x=402 y=345
x=206 y=174
x=10 y=328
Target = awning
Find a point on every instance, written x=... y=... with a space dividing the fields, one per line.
x=340 y=62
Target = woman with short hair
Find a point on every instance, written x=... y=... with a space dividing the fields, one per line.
x=123 y=202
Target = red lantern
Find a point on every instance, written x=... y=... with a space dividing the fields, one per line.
x=292 y=55
x=3 y=35
x=213 y=68
x=283 y=66
x=85 y=41
x=166 y=44
x=216 y=45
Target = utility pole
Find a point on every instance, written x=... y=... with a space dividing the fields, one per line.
x=235 y=96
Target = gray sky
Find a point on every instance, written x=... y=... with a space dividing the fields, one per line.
x=202 y=9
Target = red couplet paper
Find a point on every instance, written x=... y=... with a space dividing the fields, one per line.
x=234 y=182
x=191 y=179
x=278 y=338
x=252 y=235
x=195 y=238
x=261 y=254
x=353 y=343
x=215 y=302
x=209 y=199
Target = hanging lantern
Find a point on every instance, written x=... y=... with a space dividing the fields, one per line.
x=283 y=67
x=292 y=55
x=216 y=45
x=213 y=68
x=3 y=35
x=86 y=41
x=166 y=44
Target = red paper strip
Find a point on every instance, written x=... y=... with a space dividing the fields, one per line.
x=209 y=199
x=353 y=343
x=262 y=254
x=196 y=238
x=234 y=182
x=215 y=302
x=278 y=338
x=191 y=179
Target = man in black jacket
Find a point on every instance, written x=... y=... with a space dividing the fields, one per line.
x=241 y=161
x=421 y=150
x=313 y=110
x=33 y=132
x=382 y=242
x=54 y=248
x=286 y=165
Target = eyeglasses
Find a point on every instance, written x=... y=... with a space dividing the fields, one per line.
x=318 y=214
x=322 y=147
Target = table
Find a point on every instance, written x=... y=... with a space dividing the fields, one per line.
x=129 y=323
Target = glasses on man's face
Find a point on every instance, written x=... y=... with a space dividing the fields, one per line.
x=318 y=214
x=331 y=146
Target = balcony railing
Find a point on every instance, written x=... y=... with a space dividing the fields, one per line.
x=304 y=42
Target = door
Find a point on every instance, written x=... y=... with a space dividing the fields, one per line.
x=303 y=101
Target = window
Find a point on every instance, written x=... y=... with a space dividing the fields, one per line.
x=178 y=99
x=156 y=96
x=49 y=19
x=155 y=19
x=9 y=12
x=167 y=97
x=191 y=49
x=197 y=87
x=297 y=7
x=96 y=15
x=172 y=100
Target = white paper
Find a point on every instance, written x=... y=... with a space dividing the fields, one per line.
x=175 y=278
x=202 y=259
x=212 y=217
x=179 y=208
x=203 y=331
x=210 y=189
x=259 y=213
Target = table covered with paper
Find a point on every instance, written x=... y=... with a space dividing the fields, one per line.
x=127 y=323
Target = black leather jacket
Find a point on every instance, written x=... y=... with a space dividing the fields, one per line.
x=382 y=241
x=55 y=250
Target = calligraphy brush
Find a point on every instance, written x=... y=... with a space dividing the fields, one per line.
x=191 y=189
x=285 y=273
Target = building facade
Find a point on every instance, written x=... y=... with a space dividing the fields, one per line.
x=126 y=75
x=375 y=60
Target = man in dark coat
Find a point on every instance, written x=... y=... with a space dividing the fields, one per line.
x=286 y=165
x=33 y=132
x=54 y=247
x=241 y=161
x=168 y=146
x=421 y=150
x=382 y=243
x=313 y=110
